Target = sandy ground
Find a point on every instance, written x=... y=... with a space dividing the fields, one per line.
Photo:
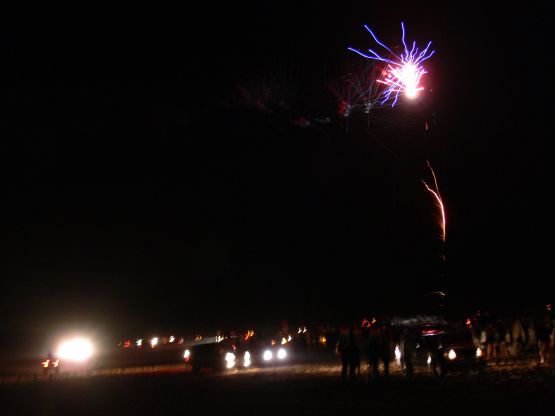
x=508 y=388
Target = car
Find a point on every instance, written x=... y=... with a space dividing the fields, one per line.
x=460 y=351
x=440 y=348
x=272 y=354
x=216 y=356
x=269 y=349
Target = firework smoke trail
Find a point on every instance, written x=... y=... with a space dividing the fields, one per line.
x=404 y=72
x=439 y=200
x=358 y=91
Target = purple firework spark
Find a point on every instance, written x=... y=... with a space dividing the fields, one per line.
x=403 y=72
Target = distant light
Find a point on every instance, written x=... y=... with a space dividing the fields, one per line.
x=267 y=355
x=247 y=355
x=139 y=342
x=186 y=354
x=478 y=352
x=78 y=349
x=283 y=341
x=452 y=354
x=397 y=353
x=154 y=342
x=289 y=338
x=429 y=360
x=172 y=338
x=281 y=354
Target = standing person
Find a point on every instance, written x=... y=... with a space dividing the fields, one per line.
x=543 y=333
x=517 y=336
x=490 y=341
x=377 y=349
x=531 y=336
x=353 y=355
x=409 y=341
x=348 y=352
x=342 y=352
x=552 y=349
x=504 y=339
x=385 y=349
x=372 y=353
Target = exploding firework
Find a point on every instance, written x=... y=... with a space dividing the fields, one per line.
x=435 y=192
x=403 y=72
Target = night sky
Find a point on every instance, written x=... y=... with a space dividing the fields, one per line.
x=144 y=186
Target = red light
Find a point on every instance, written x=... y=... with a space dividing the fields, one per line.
x=432 y=332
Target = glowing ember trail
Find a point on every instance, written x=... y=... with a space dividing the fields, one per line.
x=404 y=72
x=437 y=196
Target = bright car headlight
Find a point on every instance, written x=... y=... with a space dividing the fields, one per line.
x=267 y=355
x=78 y=349
x=281 y=354
x=478 y=352
x=230 y=360
x=247 y=359
x=452 y=354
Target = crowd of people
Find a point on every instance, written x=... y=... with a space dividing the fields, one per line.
x=500 y=339
x=374 y=341
x=505 y=338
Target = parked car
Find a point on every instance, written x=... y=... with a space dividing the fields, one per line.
x=216 y=356
x=441 y=349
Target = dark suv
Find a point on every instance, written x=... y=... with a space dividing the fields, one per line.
x=441 y=349
x=217 y=356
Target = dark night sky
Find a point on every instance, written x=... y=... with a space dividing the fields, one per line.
x=140 y=192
